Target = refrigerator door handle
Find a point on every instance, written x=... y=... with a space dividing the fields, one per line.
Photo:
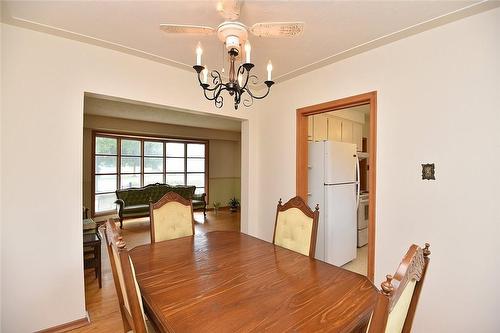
x=358 y=183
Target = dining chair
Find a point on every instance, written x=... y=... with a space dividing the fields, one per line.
x=171 y=217
x=296 y=226
x=127 y=289
x=397 y=301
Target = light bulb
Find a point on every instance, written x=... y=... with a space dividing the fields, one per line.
x=248 y=50
x=199 y=52
x=269 y=70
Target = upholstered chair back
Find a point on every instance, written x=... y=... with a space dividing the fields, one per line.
x=397 y=301
x=127 y=289
x=171 y=217
x=296 y=226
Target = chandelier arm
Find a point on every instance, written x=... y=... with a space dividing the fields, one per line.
x=218 y=99
x=248 y=101
x=216 y=77
x=199 y=78
x=259 y=97
x=215 y=92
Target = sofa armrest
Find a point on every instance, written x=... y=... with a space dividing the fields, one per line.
x=120 y=204
x=200 y=197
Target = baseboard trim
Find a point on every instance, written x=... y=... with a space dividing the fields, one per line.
x=68 y=326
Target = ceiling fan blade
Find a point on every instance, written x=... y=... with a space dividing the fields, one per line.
x=229 y=9
x=187 y=29
x=277 y=29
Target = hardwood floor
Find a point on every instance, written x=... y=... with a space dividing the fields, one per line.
x=102 y=304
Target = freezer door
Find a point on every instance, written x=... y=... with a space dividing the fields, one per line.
x=340 y=162
x=340 y=224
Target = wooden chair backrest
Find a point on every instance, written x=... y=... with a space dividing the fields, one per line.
x=292 y=215
x=397 y=301
x=171 y=217
x=129 y=297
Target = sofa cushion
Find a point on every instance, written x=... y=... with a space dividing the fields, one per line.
x=134 y=196
x=157 y=191
x=187 y=192
x=136 y=200
x=135 y=210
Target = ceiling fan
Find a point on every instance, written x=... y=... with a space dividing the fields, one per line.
x=234 y=35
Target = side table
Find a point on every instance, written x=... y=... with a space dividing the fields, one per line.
x=92 y=253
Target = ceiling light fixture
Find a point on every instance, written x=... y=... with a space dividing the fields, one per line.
x=234 y=35
x=239 y=80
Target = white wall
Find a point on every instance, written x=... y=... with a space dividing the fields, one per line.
x=44 y=80
x=224 y=171
x=1 y=154
x=438 y=102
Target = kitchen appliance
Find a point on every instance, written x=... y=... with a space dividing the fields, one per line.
x=363 y=211
x=333 y=184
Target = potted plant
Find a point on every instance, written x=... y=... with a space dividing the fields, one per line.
x=216 y=207
x=233 y=204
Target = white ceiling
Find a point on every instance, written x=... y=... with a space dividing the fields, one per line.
x=333 y=28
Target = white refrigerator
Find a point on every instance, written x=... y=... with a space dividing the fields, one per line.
x=333 y=173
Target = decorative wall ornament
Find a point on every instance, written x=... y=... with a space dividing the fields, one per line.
x=428 y=172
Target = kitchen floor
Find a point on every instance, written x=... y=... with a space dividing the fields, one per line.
x=360 y=264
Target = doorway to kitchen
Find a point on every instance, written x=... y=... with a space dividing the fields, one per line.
x=345 y=128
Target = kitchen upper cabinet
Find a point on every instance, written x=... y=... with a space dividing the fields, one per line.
x=334 y=129
x=357 y=135
x=320 y=127
x=346 y=131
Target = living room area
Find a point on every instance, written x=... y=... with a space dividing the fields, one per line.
x=128 y=144
x=133 y=154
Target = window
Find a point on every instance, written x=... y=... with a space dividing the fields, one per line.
x=128 y=161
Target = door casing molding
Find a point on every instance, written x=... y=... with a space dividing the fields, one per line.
x=302 y=156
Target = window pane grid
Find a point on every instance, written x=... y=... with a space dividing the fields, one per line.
x=127 y=162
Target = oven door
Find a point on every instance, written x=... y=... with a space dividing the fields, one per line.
x=363 y=211
x=363 y=214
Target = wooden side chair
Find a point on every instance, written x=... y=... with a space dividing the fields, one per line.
x=398 y=298
x=171 y=217
x=127 y=289
x=296 y=226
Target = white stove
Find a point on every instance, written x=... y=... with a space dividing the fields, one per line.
x=363 y=211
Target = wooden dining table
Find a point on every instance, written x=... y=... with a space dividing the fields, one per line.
x=225 y=281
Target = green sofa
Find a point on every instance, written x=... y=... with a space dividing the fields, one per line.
x=134 y=202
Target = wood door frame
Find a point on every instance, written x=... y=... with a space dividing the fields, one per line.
x=302 y=156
